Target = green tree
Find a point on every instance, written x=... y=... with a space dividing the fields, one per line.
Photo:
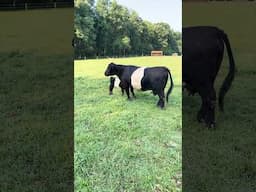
x=125 y=44
x=110 y=29
x=103 y=27
x=135 y=29
x=84 y=25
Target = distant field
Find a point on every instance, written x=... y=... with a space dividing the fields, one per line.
x=43 y=31
x=224 y=160
x=36 y=132
x=123 y=145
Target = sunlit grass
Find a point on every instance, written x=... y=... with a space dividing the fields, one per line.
x=123 y=145
x=45 y=31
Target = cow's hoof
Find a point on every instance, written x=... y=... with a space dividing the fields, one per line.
x=211 y=125
x=160 y=106
x=110 y=93
x=200 y=118
x=129 y=99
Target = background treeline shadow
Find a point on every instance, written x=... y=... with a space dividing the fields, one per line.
x=223 y=159
x=36 y=100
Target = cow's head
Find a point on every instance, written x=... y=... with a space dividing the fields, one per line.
x=111 y=70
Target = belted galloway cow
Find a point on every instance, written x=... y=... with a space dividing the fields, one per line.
x=142 y=78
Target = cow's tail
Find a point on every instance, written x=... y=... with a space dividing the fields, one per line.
x=171 y=86
x=231 y=74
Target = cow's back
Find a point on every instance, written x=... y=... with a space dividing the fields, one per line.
x=154 y=78
x=202 y=49
x=127 y=72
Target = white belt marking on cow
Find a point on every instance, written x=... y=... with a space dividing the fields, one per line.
x=136 y=77
x=117 y=82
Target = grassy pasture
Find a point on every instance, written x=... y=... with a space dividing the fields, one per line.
x=36 y=131
x=123 y=145
x=43 y=31
x=224 y=159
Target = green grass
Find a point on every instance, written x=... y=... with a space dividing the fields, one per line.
x=36 y=131
x=224 y=159
x=42 y=31
x=123 y=145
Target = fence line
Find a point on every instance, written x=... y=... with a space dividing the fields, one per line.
x=26 y=6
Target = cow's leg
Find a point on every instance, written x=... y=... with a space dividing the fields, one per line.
x=210 y=115
x=207 y=111
x=122 y=88
x=132 y=92
x=127 y=92
x=111 y=86
x=160 y=103
x=202 y=112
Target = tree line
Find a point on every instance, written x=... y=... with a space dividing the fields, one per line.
x=34 y=1
x=108 y=29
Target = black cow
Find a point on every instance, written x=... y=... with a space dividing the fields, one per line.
x=142 y=78
x=203 y=48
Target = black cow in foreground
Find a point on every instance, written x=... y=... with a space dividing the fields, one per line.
x=142 y=78
x=203 y=49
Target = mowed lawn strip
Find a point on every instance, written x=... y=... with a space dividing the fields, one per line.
x=123 y=145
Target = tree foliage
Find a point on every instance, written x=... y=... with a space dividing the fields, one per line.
x=106 y=28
